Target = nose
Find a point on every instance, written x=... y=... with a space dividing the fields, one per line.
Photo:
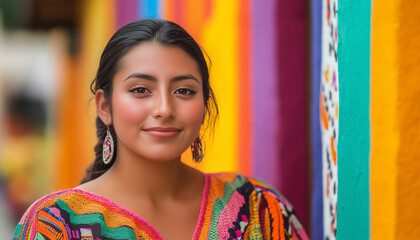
x=163 y=107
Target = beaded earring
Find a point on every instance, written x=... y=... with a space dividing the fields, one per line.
x=107 y=147
x=197 y=150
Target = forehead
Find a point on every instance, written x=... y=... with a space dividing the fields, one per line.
x=157 y=59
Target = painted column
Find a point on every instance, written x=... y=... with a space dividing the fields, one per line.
x=395 y=114
x=265 y=96
x=291 y=93
x=353 y=148
x=329 y=105
x=317 y=231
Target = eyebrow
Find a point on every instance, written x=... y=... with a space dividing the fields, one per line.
x=153 y=79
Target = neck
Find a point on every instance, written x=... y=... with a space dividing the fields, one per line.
x=151 y=180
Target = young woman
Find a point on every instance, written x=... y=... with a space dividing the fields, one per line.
x=153 y=96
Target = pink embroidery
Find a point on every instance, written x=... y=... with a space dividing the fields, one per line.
x=202 y=207
x=238 y=233
x=228 y=215
x=244 y=218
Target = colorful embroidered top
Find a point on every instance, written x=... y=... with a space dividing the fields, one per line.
x=233 y=207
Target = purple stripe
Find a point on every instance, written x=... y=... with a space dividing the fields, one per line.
x=126 y=11
x=291 y=54
x=317 y=205
x=264 y=85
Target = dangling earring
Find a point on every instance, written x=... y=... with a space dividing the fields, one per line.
x=197 y=150
x=107 y=147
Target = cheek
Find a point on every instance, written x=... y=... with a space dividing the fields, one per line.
x=193 y=113
x=126 y=110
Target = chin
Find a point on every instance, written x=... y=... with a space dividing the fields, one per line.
x=163 y=155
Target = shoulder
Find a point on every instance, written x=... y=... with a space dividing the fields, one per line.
x=250 y=186
x=237 y=181
x=43 y=215
x=266 y=207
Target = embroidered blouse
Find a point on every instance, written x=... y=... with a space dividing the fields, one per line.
x=232 y=207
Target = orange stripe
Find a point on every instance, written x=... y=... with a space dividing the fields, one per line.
x=267 y=225
x=274 y=209
x=281 y=222
x=257 y=183
x=168 y=10
x=47 y=230
x=245 y=101
x=324 y=115
x=79 y=202
x=194 y=19
x=333 y=151
x=76 y=200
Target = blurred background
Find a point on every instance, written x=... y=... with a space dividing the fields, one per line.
x=49 y=55
x=286 y=75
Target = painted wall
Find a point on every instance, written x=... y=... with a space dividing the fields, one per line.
x=395 y=116
x=353 y=211
x=344 y=105
x=317 y=206
x=258 y=72
x=329 y=113
x=379 y=127
x=252 y=45
x=365 y=102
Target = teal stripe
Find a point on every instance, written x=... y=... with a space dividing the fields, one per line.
x=122 y=232
x=219 y=203
x=18 y=231
x=354 y=24
x=38 y=236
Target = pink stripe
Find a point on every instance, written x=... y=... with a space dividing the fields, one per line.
x=228 y=215
x=202 y=207
x=265 y=98
x=126 y=11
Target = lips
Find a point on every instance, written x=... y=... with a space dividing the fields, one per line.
x=162 y=132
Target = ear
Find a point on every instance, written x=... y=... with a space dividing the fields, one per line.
x=102 y=107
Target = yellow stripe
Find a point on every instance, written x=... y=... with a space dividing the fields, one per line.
x=220 y=39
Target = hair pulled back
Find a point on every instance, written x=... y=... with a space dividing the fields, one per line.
x=145 y=30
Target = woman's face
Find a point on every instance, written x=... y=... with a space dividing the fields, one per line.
x=157 y=101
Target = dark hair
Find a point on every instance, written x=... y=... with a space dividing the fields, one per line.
x=130 y=35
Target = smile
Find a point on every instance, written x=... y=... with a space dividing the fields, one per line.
x=162 y=132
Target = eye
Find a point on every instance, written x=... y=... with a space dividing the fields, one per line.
x=185 y=91
x=140 y=90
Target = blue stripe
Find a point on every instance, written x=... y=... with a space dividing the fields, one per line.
x=317 y=229
x=149 y=8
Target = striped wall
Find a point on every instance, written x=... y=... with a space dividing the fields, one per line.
x=353 y=212
x=271 y=108
x=329 y=104
x=258 y=72
x=395 y=120
x=340 y=108
x=378 y=137
x=317 y=206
